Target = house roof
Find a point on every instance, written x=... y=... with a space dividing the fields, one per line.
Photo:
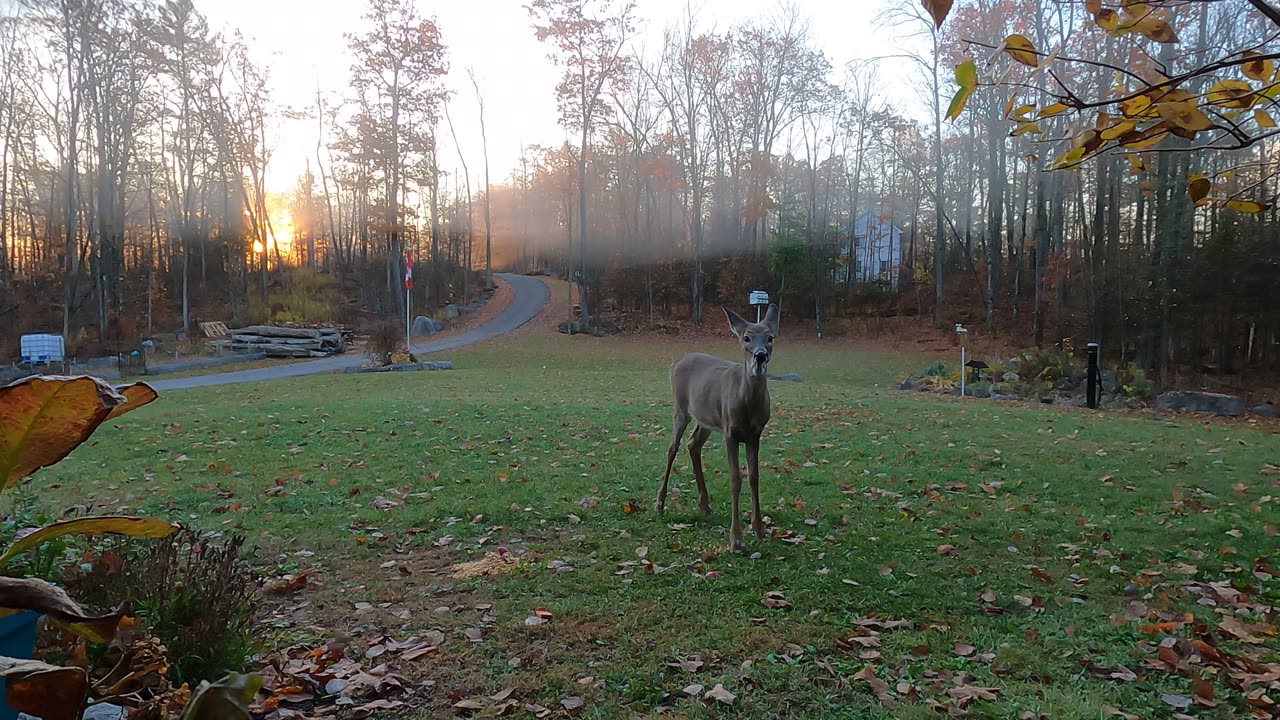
x=866 y=220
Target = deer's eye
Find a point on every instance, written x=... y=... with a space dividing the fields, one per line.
x=770 y=338
x=746 y=338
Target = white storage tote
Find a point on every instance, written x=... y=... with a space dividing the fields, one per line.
x=43 y=348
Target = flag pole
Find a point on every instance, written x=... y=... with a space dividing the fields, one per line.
x=408 y=302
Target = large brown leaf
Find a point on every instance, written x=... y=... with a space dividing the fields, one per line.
x=45 y=691
x=38 y=595
x=138 y=394
x=42 y=419
x=227 y=699
x=937 y=9
x=106 y=525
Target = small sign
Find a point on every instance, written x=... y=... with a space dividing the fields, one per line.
x=759 y=297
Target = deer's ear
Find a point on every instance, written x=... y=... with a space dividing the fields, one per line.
x=771 y=319
x=736 y=323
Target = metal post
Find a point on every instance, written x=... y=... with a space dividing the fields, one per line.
x=1093 y=378
x=963 y=369
x=408 y=322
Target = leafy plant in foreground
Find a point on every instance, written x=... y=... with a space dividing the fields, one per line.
x=42 y=419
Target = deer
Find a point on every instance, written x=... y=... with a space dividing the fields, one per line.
x=729 y=398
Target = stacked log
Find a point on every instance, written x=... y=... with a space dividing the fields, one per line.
x=288 y=342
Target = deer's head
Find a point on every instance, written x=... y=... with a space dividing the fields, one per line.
x=756 y=338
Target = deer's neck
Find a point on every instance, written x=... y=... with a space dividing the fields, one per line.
x=754 y=389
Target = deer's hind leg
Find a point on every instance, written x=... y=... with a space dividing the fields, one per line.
x=696 y=441
x=680 y=422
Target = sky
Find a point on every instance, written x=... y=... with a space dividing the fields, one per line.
x=303 y=44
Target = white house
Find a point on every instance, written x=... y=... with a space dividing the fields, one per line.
x=877 y=251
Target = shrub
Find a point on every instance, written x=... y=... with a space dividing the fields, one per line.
x=193 y=594
x=306 y=296
x=385 y=339
x=1132 y=383
x=1047 y=364
x=41 y=421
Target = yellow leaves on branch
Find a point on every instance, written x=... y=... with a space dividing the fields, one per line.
x=1231 y=94
x=1184 y=116
x=1021 y=50
x=1137 y=18
x=1257 y=67
x=967 y=79
x=1246 y=206
x=1199 y=188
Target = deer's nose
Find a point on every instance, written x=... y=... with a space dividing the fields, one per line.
x=762 y=356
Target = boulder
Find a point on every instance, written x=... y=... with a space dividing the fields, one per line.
x=453 y=312
x=571 y=328
x=423 y=325
x=1002 y=396
x=1201 y=402
x=1266 y=410
x=789 y=377
x=909 y=384
x=1108 y=381
x=1010 y=377
x=979 y=392
x=1066 y=383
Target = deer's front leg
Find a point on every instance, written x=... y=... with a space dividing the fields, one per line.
x=753 y=476
x=735 y=489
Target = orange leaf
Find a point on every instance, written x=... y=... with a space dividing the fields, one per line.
x=42 y=419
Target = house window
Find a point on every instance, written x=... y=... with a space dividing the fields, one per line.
x=884 y=266
x=857 y=267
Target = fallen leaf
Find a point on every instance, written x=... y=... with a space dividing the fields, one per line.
x=774 y=600
x=964 y=650
x=573 y=702
x=1181 y=702
x=690 y=665
x=720 y=694
x=693 y=690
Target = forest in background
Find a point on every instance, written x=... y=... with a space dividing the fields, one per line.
x=1070 y=172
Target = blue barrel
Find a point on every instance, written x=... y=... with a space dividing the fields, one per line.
x=17 y=640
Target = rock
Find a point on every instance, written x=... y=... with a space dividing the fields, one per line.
x=1201 y=402
x=453 y=312
x=789 y=377
x=406 y=367
x=979 y=392
x=1266 y=410
x=423 y=325
x=1108 y=381
x=97 y=711
x=1066 y=383
x=1001 y=396
x=908 y=384
x=1011 y=377
x=571 y=328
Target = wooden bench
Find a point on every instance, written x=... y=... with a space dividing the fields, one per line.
x=216 y=332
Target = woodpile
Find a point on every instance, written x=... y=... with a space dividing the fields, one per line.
x=288 y=342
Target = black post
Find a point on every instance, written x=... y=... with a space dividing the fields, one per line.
x=1094 y=377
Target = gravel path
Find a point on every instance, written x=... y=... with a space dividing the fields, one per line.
x=528 y=296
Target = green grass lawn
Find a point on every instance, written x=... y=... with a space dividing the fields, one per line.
x=1039 y=553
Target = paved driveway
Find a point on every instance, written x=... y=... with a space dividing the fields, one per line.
x=528 y=296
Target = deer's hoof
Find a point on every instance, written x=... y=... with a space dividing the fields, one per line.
x=739 y=547
x=704 y=509
x=659 y=507
x=759 y=533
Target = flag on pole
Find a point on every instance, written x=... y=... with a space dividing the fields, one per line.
x=408 y=270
